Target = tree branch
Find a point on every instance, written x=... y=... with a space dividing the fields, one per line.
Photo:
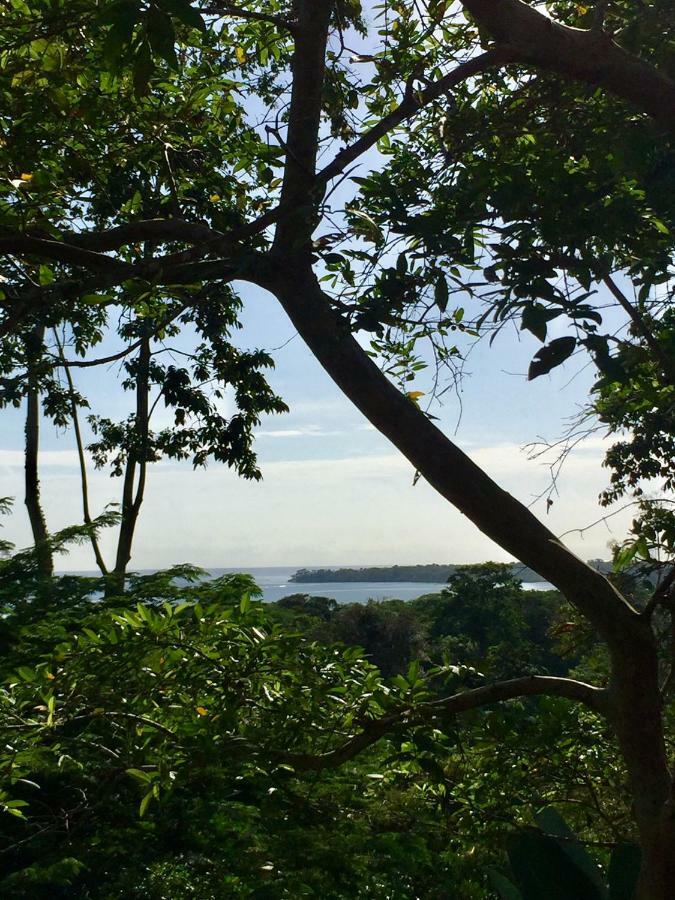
x=308 y=67
x=58 y=251
x=424 y=713
x=84 y=482
x=222 y=9
x=412 y=102
x=160 y=230
x=641 y=326
x=635 y=708
x=590 y=56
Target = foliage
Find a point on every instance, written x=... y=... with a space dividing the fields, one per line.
x=549 y=862
x=169 y=726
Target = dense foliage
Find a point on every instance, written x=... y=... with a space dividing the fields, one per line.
x=180 y=727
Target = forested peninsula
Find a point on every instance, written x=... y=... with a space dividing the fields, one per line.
x=431 y=574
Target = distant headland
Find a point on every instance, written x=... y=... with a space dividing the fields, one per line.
x=429 y=574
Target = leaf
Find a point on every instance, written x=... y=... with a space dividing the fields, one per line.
x=240 y=53
x=26 y=674
x=186 y=13
x=415 y=395
x=145 y=802
x=551 y=356
x=441 y=293
x=123 y=18
x=143 y=69
x=370 y=228
x=140 y=775
x=625 y=556
x=46 y=275
x=535 y=318
x=543 y=871
x=624 y=869
x=162 y=36
x=502 y=885
x=551 y=822
x=202 y=710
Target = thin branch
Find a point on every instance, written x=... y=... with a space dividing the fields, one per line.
x=412 y=102
x=667 y=365
x=221 y=9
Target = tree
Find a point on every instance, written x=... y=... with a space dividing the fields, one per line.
x=193 y=386
x=214 y=223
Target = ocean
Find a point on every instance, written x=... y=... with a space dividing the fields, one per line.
x=275 y=583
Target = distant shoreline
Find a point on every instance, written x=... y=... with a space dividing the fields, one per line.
x=435 y=573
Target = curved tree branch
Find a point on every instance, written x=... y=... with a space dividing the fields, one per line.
x=425 y=713
x=587 y=55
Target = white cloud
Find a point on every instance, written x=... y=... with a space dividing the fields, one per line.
x=15 y=459
x=309 y=431
x=361 y=509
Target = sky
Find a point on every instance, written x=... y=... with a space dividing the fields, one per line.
x=334 y=491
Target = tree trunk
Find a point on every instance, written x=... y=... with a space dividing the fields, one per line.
x=36 y=515
x=82 y=461
x=635 y=709
x=137 y=459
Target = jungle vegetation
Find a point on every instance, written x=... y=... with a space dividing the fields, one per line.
x=470 y=164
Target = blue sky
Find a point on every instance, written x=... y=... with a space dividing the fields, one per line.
x=334 y=490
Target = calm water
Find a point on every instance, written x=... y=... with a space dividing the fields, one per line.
x=275 y=583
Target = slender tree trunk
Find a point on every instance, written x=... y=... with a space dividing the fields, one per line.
x=132 y=492
x=36 y=515
x=82 y=461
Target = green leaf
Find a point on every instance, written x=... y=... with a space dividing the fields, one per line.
x=502 y=885
x=143 y=69
x=140 y=775
x=625 y=556
x=46 y=275
x=368 y=226
x=551 y=356
x=441 y=293
x=551 y=822
x=118 y=38
x=186 y=13
x=543 y=870
x=624 y=870
x=27 y=674
x=120 y=11
x=145 y=802
x=535 y=318
x=162 y=37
